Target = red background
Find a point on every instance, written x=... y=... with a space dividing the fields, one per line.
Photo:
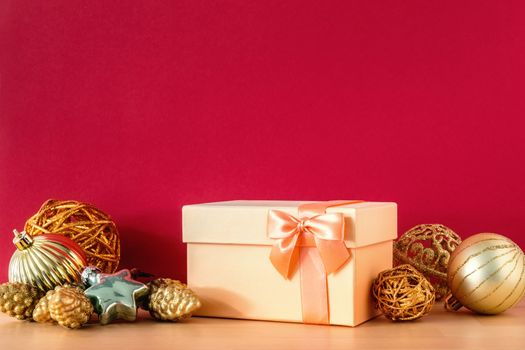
x=141 y=107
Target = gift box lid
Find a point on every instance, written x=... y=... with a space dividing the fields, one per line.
x=244 y=222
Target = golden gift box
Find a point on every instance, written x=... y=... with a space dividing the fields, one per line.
x=290 y=261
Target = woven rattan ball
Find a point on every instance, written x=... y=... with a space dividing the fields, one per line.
x=88 y=226
x=403 y=293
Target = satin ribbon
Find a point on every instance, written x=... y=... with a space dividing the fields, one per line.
x=316 y=239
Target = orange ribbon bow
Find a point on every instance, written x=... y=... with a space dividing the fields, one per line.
x=324 y=251
x=324 y=231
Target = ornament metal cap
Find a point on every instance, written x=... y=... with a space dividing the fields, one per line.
x=22 y=240
x=90 y=276
x=452 y=304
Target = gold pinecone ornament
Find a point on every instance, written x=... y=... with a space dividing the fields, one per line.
x=66 y=305
x=18 y=299
x=41 y=311
x=170 y=300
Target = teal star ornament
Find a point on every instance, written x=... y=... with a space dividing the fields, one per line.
x=114 y=296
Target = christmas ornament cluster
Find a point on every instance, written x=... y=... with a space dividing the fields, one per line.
x=64 y=273
x=484 y=273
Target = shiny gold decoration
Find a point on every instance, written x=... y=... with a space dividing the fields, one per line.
x=18 y=299
x=69 y=305
x=428 y=247
x=45 y=261
x=486 y=274
x=89 y=227
x=41 y=311
x=403 y=293
x=170 y=300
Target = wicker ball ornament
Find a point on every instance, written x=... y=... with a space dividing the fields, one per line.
x=486 y=274
x=403 y=293
x=427 y=247
x=88 y=226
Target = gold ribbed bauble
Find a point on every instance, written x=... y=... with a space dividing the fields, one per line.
x=45 y=261
x=18 y=299
x=92 y=229
x=403 y=293
x=486 y=274
x=427 y=247
x=170 y=300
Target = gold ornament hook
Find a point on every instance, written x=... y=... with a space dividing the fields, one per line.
x=22 y=240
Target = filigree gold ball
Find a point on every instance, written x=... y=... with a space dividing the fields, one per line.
x=428 y=247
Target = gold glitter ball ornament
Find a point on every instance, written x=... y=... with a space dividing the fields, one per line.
x=403 y=293
x=427 y=247
x=92 y=229
x=45 y=261
x=66 y=305
x=171 y=300
x=486 y=274
x=18 y=299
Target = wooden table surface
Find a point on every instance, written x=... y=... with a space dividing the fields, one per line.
x=439 y=330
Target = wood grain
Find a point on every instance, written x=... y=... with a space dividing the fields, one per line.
x=439 y=330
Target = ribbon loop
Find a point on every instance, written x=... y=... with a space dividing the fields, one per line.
x=322 y=235
x=327 y=231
